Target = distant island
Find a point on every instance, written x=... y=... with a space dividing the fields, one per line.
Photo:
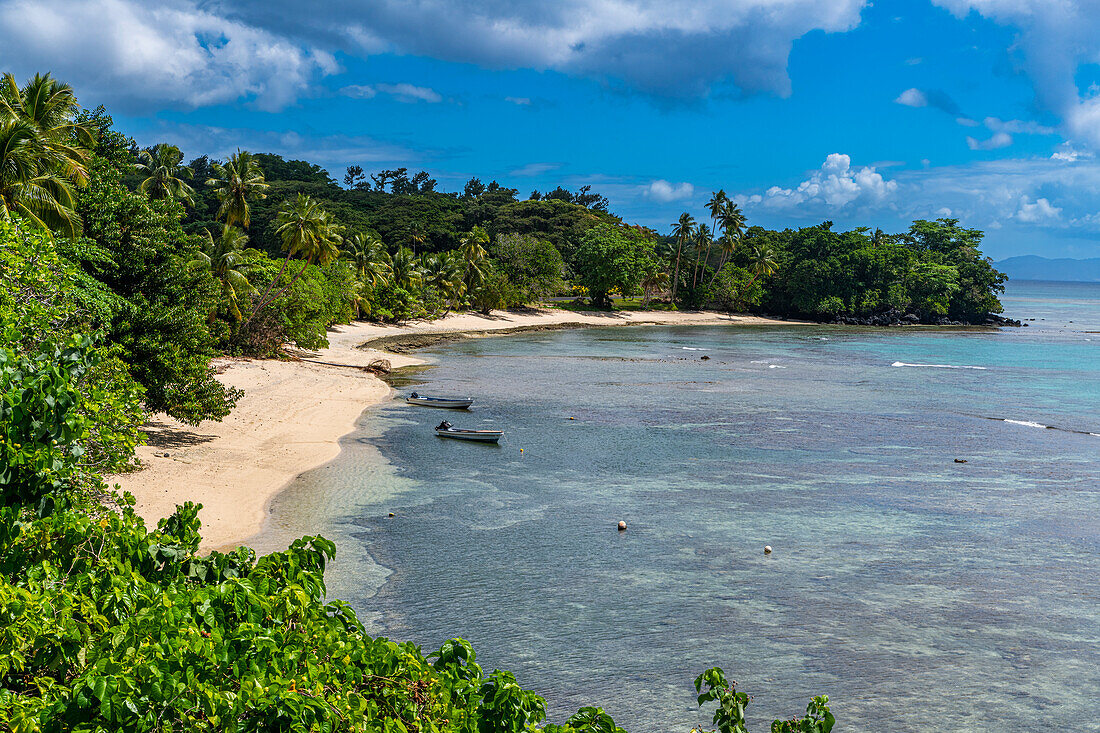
x=1063 y=269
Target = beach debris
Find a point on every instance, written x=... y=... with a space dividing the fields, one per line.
x=622 y=526
x=767 y=549
x=380 y=366
x=960 y=460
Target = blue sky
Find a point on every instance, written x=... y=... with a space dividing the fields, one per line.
x=805 y=110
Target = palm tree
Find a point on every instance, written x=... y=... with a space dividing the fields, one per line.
x=417 y=236
x=475 y=254
x=164 y=176
x=733 y=229
x=51 y=107
x=222 y=259
x=43 y=154
x=682 y=230
x=654 y=279
x=235 y=182
x=715 y=206
x=406 y=269
x=762 y=261
x=701 y=237
x=31 y=184
x=371 y=261
x=304 y=229
x=444 y=272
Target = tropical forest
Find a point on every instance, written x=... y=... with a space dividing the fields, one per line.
x=128 y=270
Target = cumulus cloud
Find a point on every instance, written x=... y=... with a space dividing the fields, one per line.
x=124 y=51
x=663 y=191
x=1033 y=212
x=671 y=48
x=834 y=186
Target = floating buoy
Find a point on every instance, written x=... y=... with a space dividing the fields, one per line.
x=572 y=418
x=767 y=549
x=521 y=450
x=622 y=526
x=392 y=514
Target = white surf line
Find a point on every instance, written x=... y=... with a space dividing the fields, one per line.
x=936 y=366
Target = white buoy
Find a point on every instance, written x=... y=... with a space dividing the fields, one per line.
x=767 y=549
x=622 y=526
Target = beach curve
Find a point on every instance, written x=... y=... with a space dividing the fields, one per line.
x=294 y=412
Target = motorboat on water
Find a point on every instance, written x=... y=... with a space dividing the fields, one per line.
x=449 y=403
x=446 y=430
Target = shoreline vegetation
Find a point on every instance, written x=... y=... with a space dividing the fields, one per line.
x=137 y=286
x=294 y=412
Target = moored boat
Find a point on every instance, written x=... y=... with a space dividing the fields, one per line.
x=446 y=430
x=449 y=403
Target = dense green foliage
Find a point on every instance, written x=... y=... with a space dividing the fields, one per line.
x=613 y=259
x=106 y=625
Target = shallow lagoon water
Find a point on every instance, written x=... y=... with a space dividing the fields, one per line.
x=917 y=592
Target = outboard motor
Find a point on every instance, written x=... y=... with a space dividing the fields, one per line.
x=414 y=395
x=444 y=426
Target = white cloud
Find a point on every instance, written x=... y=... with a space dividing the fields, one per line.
x=834 y=186
x=359 y=91
x=201 y=52
x=1024 y=127
x=663 y=191
x=409 y=93
x=405 y=93
x=534 y=169
x=123 y=51
x=671 y=48
x=912 y=98
x=996 y=141
x=1068 y=153
x=1034 y=212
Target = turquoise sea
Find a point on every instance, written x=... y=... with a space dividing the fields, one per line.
x=919 y=593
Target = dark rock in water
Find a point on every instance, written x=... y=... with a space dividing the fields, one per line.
x=704 y=357
x=960 y=460
x=995 y=320
x=380 y=366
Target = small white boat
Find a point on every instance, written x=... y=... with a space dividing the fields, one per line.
x=450 y=403
x=446 y=430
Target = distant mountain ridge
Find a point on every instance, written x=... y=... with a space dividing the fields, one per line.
x=1033 y=267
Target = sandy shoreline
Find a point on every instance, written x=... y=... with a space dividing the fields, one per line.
x=293 y=414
